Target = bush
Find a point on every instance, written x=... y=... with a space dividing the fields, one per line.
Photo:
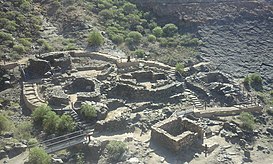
x=4 y=123
x=32 y=142
x=66 y=124
x=116 y=149
x=88 y=111
x=246 y=81
x=139 y=53
x=117 y=39
x=39 y=114
x=95 y=38
x=256 y=81
x=247 y=121
x=157 y=31
x=179 y=67
x=24 y=130
x=169 y=29
x=50 y=122
x=151 y=38
x=20 y=49
x=133 y=37
x=129 y=8
x=38 y=156
x=106 y=14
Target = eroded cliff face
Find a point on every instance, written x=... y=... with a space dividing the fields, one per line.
x=238 y=35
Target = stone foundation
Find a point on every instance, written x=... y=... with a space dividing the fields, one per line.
x=177 y=134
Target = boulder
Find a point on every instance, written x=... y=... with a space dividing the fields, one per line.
x=3 y=154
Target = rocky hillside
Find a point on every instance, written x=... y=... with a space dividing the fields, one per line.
x=66 y=25
x=237 y=34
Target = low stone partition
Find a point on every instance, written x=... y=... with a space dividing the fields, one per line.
x=94 y=55
x=136 y=93
x=228 y=111
x=176 y=134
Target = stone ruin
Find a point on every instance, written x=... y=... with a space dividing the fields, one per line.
x=176 y=134
x=215 y=88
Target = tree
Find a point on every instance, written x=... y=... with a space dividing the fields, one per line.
x=38 y=156
x=170 y=29
x=95 y=38
x=4 y=123
x=88 y=111
x=39 y=114
x=50 y=122
x=66 y=124
x=157 y=31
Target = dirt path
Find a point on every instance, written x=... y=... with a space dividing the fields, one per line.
x=19 y=159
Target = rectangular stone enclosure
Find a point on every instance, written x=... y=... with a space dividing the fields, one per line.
x=177 y=134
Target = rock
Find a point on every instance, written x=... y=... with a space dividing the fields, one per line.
x=242 y=142
x=270 y=130
x=7 y=148
x=260 y=147
x=57 y=160
x=133 y=160
x=3 y=154
x=247 y=154
x=17 y=149
x=8 y=135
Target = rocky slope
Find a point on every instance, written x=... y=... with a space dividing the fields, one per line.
x=237 y=34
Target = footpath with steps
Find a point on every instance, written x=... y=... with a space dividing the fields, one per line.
x=192 y=98
x=30 y=95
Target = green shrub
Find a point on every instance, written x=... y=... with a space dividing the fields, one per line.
x=106 y=14
x=256 y=79
x=50 y=122
x=157 y=31
x=25 y=41
x=117 y=39
x=139 y=53
x=129 y=8
x=247 y=121
x=66 y=124
x=95 y=38
x=133 y=38
x=32 y=142
x=88 y=111
x=151 y=38
x=38 y=156
x=20 y=49
x=4 y=123
x=39 y=114
x=246 y=81
x=116 y=149
x=5 y=36
x=24 y=130
x=179 y=67
x=169 y=29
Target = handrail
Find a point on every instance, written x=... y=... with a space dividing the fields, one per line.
x=44 y=142
x=68 y=139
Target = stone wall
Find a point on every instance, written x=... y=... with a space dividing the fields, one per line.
x=130 y=92
x=228 y=111
x=176 y=134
